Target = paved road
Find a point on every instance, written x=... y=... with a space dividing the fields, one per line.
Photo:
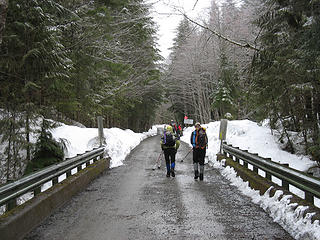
x=135 y=202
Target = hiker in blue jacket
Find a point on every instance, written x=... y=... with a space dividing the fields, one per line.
x=199 y=141
x=169 y=144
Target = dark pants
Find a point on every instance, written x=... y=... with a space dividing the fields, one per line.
x=170 y=157
x=199 y=155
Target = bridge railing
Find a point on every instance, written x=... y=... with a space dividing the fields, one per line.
x=11 y=192
x=308 y=184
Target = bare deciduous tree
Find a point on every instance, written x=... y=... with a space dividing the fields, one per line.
x=208 y=69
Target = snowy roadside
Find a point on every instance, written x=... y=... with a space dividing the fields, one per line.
x=249 y=136
x=244 y=134
x=119 y=142
x=281 y=211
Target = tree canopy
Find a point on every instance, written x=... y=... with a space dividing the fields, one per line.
x=74 y=60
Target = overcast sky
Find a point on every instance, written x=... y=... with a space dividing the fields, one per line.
x=167 y=16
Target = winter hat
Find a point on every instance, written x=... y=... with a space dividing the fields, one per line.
x=169 y=128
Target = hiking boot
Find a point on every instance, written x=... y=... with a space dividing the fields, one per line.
x=172 y=173
x=168 y=174
x=196 y=174
x=201 y=177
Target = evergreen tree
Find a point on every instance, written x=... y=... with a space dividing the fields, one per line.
x=286 y=80
x=47 y=151
x=3 y=13
x=12 y=138
x=76 y=60
x=225 y=92
x=30 y=63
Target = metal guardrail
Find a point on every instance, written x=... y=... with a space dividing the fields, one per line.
x=33 y=182
x=310 y=185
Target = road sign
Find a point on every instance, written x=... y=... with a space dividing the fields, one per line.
x=188 y=121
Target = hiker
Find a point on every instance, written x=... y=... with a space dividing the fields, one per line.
x=199 y=141
x=169 y=144
x=174 y=126
x=175 y=129
x=180 y=130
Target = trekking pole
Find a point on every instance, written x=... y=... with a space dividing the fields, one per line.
x=186 y=155
x=158 y=163
x=159 y=160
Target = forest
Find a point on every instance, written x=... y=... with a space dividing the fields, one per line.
x=74 y=60
x=256 y=60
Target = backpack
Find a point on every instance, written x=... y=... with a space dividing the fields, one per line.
x=201 y=138
x=169 y=139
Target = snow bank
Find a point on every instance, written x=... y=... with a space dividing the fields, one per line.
x=248 y=135
x=288 y=215
x=119 y=142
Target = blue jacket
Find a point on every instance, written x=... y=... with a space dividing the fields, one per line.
x=193 y=139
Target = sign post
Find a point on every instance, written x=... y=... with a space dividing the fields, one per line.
x=223 y=132
x=100 y=130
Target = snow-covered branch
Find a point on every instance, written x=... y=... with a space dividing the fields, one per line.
x=246 y=45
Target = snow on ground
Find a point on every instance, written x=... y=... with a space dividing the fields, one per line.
x=281 y=211
x=118 y=143
x=248 y=135
x=244 y=134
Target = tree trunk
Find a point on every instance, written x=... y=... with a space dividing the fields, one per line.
x=3 y=16
x=28 y=135
x=9 y=149
x=315 y=116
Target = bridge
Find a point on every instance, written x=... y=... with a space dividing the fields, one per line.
x=136 y=202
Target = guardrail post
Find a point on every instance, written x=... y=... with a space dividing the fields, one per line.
x=37 y=191
x=11 y=204
x=55 y=181
x=285 y=184
x=68 y=173
x=309 y=197
x=237 y=160
x=245 y=164
x=268 y=176
x=255 y=169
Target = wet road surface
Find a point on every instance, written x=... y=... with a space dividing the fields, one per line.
x=135 y=202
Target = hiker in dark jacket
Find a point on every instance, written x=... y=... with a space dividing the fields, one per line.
x=199 y=141
x=169 y=144
x=174 y=128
